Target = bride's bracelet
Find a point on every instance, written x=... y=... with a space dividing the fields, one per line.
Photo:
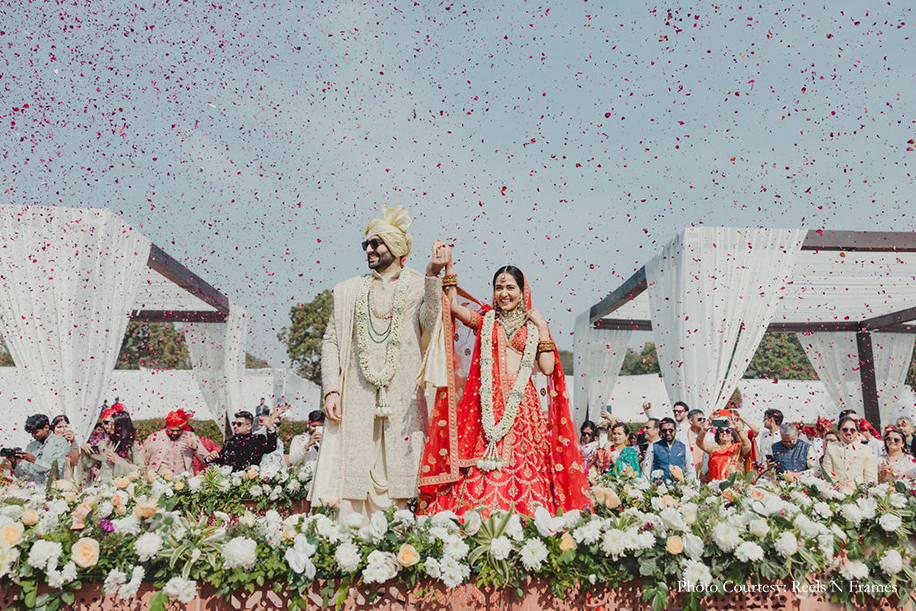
x=449 y=281
x=547 y=346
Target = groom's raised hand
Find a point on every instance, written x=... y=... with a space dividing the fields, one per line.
x=440 y=257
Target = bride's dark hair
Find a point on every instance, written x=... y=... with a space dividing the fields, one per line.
x=516 y=273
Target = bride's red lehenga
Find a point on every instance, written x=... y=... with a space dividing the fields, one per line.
x=541 y=460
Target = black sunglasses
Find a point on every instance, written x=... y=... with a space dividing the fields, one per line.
x=239 y=423
x=848 y=430
x=374 y=243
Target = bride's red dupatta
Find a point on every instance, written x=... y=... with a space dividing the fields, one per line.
x=456 y=432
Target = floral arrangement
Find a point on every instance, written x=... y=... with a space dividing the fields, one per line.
x=697 y=540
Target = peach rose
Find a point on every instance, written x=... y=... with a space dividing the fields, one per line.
x=12 y=533
x=30 y=517
x=729 y=494
x=676 y=473
x=179 y=485
x=145 y=509
x=133 y=476
x=120 y=510
x=116 y=500
x=82 y=510
x=64 y=486
x=669 y=501
x=757 y=494
x=253 y=474
x=85 y=553
x=790 y=477
x=121 y=482
x=567 y=542
x=152 y=476
x=606 y=497
x=674 y=545
x=408 y=555
x=77 y=524
x=167 y=475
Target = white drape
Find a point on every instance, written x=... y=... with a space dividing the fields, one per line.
x=893 y=352
x=68 y=279
x=712 y=293
x=217 y=352
x=597 y=355
x=835 y=358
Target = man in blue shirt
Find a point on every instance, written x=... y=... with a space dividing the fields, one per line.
x=666 y=453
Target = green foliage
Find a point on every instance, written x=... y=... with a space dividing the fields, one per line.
x=253 y=362
x=153 y=346
x=6 y=359
x=780 y=356
x=566 y=360
x=643 y=362
x=303 y=336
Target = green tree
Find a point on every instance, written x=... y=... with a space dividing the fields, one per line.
x=253 y=362
x=566 y=360
x=639 y=363
x=153 y=345
x=6 y=359
x=780 y=356
x=303 y=336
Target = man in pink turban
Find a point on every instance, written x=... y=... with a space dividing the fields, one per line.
x=174 y=447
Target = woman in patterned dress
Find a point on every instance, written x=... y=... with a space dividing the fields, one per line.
x=495 y=449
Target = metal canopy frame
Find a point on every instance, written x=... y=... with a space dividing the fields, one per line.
x=815 y=240
x=166 y=265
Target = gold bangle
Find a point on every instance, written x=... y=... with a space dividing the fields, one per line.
x=547 y=346
x=449 y=281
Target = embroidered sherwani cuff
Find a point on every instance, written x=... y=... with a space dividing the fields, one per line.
x=432 y=300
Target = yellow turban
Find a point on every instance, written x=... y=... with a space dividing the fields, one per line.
x=392 y=229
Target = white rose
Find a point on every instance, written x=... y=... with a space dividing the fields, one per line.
x=472 y=523
x=758 y=528
x=147 y=546
x=347 y=557
x=693 y=545
x=890 y=522
x=891 y=562
x=786 y=544
x=183 y=590
x=240 y=552
x=500 y=548
x=749 y=552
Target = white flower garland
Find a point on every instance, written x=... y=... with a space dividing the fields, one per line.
x=492 y=431
x=380 y=379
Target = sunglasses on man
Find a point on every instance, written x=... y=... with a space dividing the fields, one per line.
x=374 y=243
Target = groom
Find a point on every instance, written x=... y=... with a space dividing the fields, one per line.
x=370 y=357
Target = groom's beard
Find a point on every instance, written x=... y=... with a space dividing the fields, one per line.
x=383 y=260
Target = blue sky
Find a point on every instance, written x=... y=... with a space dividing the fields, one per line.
x=254 y=142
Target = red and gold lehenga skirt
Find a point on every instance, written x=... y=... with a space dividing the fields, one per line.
x=541 y=463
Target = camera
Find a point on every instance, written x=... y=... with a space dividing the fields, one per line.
x=10 y=453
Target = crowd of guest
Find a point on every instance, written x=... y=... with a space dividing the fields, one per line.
x=114 y=450
x=696 y=447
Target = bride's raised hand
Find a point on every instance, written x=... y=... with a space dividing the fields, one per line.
x=535 y=316
x=441 y=256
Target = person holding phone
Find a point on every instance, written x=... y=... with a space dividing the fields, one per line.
x=729 y=449
x=304 y=448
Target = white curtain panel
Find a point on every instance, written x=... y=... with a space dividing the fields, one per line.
x=712 y=293
x=217 y=352
x=598 y=355
x=893 y=352
x=68 y=280
x=835 y=358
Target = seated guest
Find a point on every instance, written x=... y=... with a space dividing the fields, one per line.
x=897 y=464
x=726 y=454
x=59 y=426
x=174 y=447
x=244 y=448
x=44 y=454
x=304 y=448
x=850 y=460
x=120 y=453
x=666 y=454
x=791 y=455
x=617 y=455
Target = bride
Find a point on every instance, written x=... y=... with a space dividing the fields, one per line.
x=494 y=449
